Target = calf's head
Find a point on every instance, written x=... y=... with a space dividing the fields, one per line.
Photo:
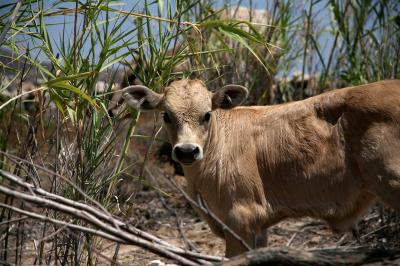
x=187 y=108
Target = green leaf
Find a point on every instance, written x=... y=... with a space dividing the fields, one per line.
x=69 y=78
x=65 y=85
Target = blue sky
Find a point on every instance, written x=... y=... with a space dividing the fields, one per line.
x=58 y=24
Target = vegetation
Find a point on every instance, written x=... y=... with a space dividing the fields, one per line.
x=63 y=48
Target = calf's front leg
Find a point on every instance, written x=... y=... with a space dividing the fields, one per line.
x=246 y=221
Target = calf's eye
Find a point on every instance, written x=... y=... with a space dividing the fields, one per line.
x=166 y=118
x=207 y=117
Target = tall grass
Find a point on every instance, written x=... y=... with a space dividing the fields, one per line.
x=69 y=130
x=67 y=127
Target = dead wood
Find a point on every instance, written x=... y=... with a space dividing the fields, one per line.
x=317 y=257
x=97 y=221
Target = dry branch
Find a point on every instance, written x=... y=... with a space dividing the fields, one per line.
x=317 y=257
x=18 y=160
x=101 y=223
x=89 y=219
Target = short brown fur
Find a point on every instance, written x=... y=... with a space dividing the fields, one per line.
x=330 y=156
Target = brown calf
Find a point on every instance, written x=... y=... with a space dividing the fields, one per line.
x=329 y=157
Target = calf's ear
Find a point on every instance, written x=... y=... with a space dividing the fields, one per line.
x=229 y=96
x=141 y=98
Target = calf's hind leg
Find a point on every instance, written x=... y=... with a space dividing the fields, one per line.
x=380 y=164
x=386 y=186
x=346 y=219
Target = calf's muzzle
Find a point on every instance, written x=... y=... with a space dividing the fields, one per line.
x=187 y=153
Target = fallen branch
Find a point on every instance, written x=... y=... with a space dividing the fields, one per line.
x=99 y=222
x=18 y=161
x=316 y=257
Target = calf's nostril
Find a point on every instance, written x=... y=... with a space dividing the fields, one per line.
x=187 y=153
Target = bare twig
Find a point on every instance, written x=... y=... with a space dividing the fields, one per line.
x=291 y=239
x=47 y=237
x=105 y=230
x=341 y=240
x=69 y=182
x=13 y=220
x=115 y=256
x=8 y=231
x=374 y=231
x=102 y=224
x=62 y=223
x=112 y=261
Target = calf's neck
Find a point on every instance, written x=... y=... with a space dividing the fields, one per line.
x=329 y=157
